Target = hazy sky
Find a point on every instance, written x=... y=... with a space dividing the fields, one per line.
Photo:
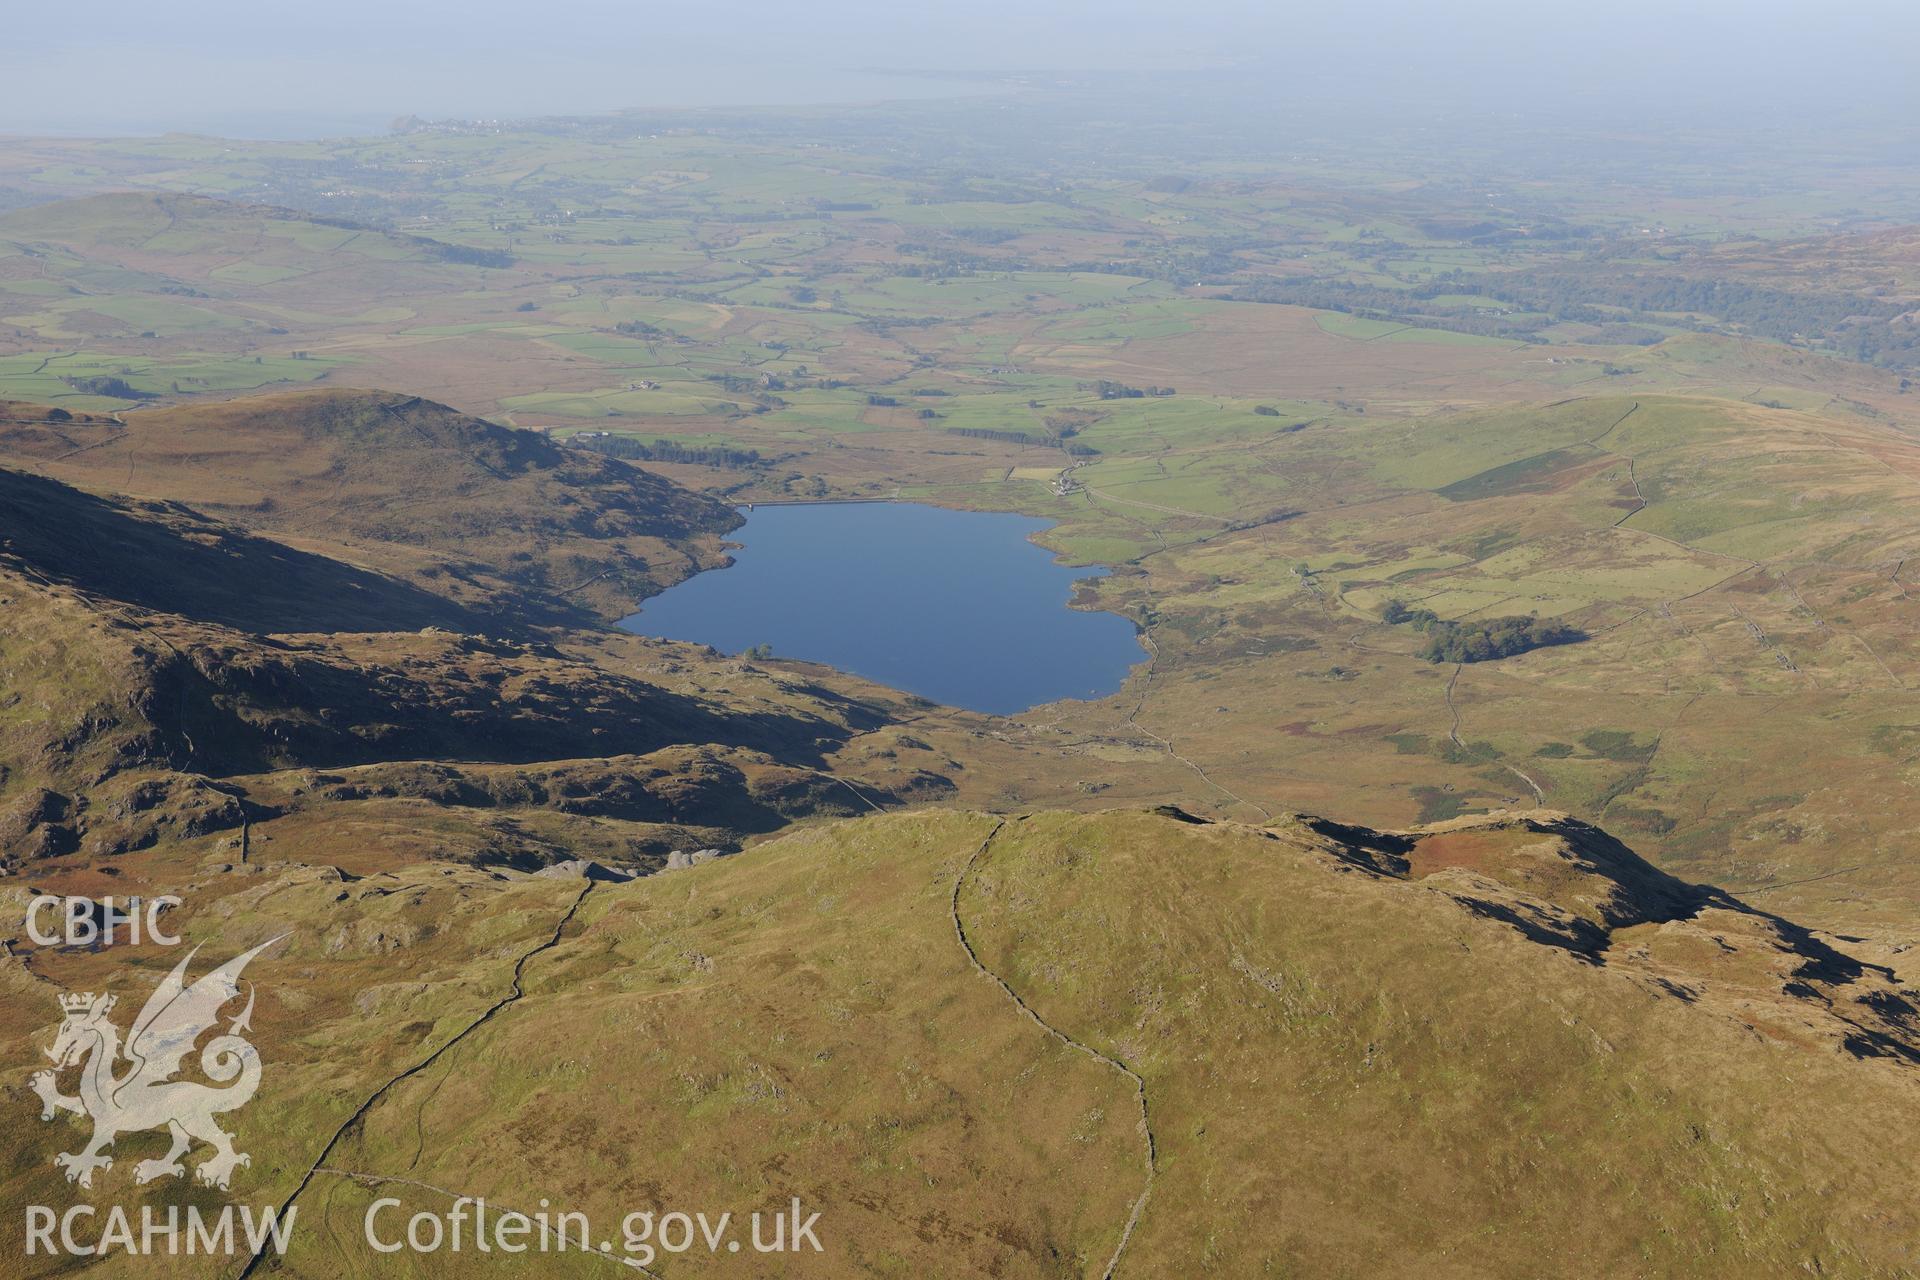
x=267 y=67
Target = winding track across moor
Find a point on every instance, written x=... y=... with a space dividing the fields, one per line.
x=1139 y=1085
x=320 y=1162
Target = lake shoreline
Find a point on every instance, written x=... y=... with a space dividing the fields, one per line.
x=874 y=587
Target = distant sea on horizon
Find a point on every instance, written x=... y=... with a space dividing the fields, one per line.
x=677 y=90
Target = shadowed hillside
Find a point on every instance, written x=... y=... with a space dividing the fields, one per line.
x=166 y=557
x=461 y=507
x=167 y=671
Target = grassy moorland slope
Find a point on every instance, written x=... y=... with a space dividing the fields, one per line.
x=1739 y=708
x=1498 y=1046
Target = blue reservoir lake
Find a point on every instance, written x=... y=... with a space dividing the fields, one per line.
x=956 y=606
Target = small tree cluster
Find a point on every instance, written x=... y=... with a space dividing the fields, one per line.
x=1483 y=640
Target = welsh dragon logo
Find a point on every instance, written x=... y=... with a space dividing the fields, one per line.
x=145 y=1095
